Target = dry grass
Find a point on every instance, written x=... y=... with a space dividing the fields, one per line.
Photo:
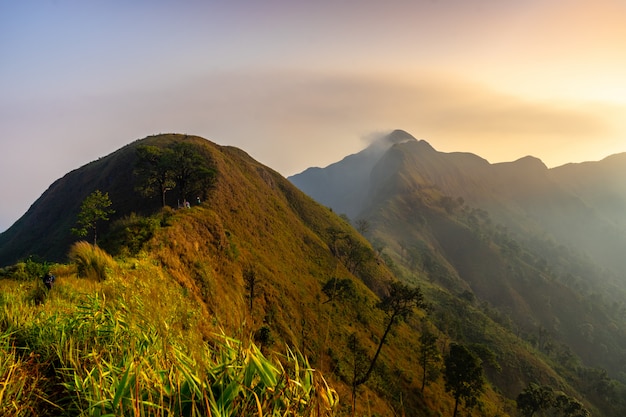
x=91 y=261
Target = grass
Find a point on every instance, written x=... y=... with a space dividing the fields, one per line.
x=98 y=348
x=91 y=261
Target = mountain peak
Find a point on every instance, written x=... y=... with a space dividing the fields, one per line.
x=399 y=136
x=527 y=163
x=381 y=144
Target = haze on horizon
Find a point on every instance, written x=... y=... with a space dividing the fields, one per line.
x=299 y=84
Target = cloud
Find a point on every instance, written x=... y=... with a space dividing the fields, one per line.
x=291 y=120
x=294 y=120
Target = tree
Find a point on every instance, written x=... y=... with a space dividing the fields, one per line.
x=95 y=207
x=463 y=376
x=263 y=336
x=180 y=166
x=338 y=288
x=352 y=253
x=153 y=168
x=570 y=407
x=250 y=280
x=429 y=357
x=359 y=364
x=534 y=398
x=362 y=226
x=191 y=171
x=398 y=304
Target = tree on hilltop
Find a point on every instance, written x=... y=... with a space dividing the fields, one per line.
x=191 y=171
x=154 y=171
x=179 y=166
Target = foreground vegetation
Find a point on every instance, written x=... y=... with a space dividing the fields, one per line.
x=90 y=348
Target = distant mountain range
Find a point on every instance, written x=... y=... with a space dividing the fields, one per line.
x=542 y=246
x=580 y=205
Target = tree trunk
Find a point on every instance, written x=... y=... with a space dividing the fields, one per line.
x=380 y=346
x=456 y=406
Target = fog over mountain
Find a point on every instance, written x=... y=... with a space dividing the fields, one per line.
x=582 y=205
x=528 y=240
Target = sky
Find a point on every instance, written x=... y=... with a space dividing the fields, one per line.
x=304 y=83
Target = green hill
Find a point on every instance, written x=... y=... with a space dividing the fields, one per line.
x=183 y=316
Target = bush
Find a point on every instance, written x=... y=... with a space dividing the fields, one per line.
x=91 y=261
x=26 y=270
x=128 y=235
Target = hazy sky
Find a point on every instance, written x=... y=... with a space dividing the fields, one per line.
x=304 y=83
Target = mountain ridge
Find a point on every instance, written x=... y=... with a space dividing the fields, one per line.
x=259 y=257
x=493 y=228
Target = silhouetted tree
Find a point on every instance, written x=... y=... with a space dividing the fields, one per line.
x=192 y=172
x=463 y=376
x=153 y=167
x=534 y=398
x=94 y=208
x=398 y=304
x=179 y=166
x=250 y=280
x=429 y=357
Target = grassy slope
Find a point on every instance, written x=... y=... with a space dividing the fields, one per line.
x=188 y=280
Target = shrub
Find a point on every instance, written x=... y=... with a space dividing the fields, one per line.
x=91 y=261
x=26 y=270
x=128 y=235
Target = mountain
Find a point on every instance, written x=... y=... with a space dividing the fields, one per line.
x=45 y=229
x=582 y=205
x=539 y=249
x=258 y=258
x=346 y=183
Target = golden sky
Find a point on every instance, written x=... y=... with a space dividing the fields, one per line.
x=303 y=83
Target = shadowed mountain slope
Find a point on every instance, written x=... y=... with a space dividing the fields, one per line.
x=540 y=248
x=580 y=205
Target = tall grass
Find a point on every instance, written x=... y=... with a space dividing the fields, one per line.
x=22 y=382
x=91 y=261
x=106 y=361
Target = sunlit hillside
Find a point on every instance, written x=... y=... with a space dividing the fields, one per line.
x=256 y=300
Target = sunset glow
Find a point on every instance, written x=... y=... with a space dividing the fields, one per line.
x=299 y=84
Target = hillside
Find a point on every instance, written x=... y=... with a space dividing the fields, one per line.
x=258 y=260
x=255 y=259
x=537 y=249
